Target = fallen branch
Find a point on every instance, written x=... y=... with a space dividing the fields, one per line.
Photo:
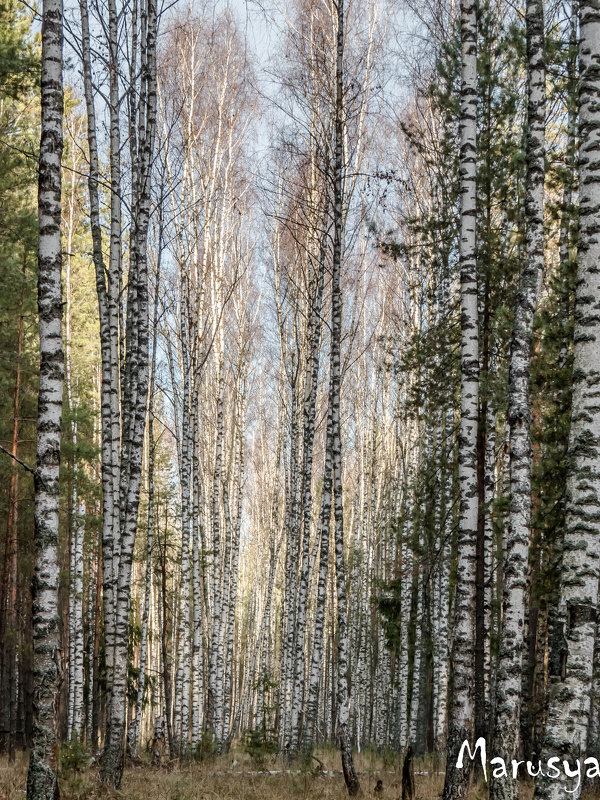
x=320 y=763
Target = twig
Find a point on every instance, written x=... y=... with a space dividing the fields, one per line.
x=18 y=460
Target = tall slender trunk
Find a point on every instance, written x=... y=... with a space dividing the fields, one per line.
x=444 y=555
x=291 y=556
x=235 y=560
x=551 y=614
x=324 y=534
x=461 y=711
x=215 y=687
x=416 y=670
x=134 y=392
x=488 y=537
x=199 y=587
x=111 y=527
x=479 y=685
x=77 y=592
x=42 y=777
x=406 y=559
x=164 y=633
x=343 y=689
x=134 y=731
x=91 y=620
x=225 y=604
x=77 y=509
x=95 y=657
x=570 y=686
x=308 y=436
x=107 y=299
x=197 y=649
x=182 y=682
x=516 y=564
x=8 y=586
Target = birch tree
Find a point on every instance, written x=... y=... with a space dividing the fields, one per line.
x=124 y=340
x=570 y=681
x=460 y=713
x=42 y=777
x=512 y=642
x=313 y=529
x=352 y=783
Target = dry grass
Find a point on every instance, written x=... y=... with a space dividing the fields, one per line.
x=236 y=777
x=221 y=779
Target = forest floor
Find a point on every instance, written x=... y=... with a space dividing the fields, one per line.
x=234 y=777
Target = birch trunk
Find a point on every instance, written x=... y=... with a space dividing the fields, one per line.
x=215 y=688
x=570 y=682
x=199 y=588
x=107 y=308
x=42 y=777
x=182 y=684
x=416 y=670
x=225 y=605
x=316 y=668
x=75 y=721
x=91 y=627
x=111 y=533
x=403 y=665
x=444 y=583
x=461 y=711
x=516 y=565
x=134 y=398
x=134 y=731
x=290 y=599
x=309 y=412
x=343 y=689
x=197 y=650
x=235 y=559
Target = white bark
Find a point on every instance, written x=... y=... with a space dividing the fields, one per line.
x=42 y=777
x=572 y=651
x=461 y=710
x=516 y=566
x=134 y=383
